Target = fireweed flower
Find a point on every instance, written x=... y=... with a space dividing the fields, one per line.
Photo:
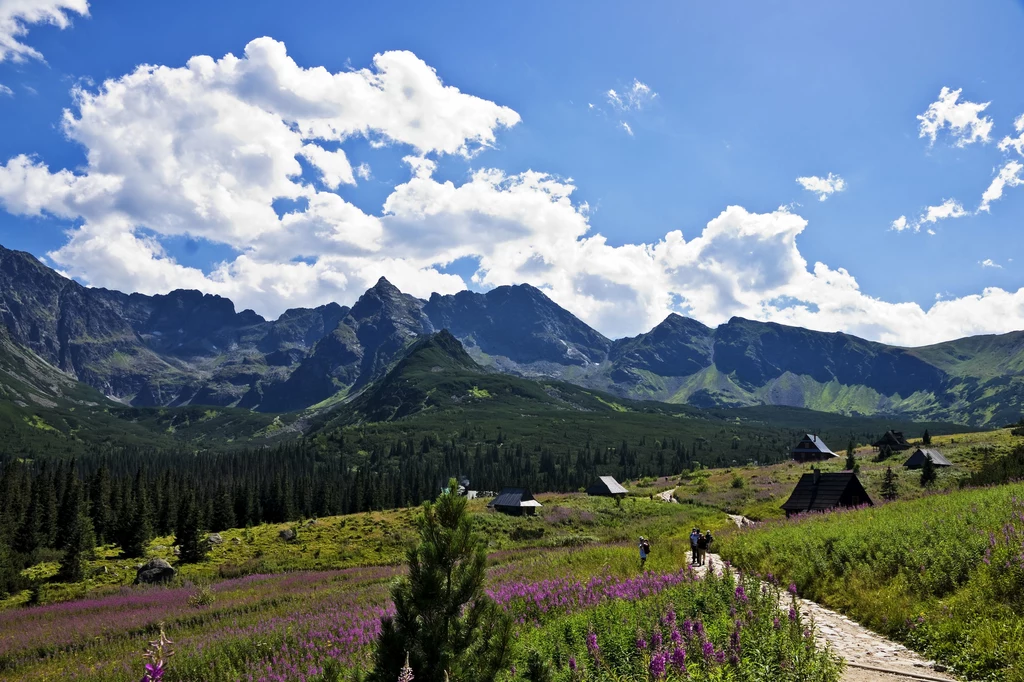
x=592 y=644
x=679 y=658
x=656 y=639
x=676 y=637
x=792 y=589
x=405 y=674
x=792 y=614
x=775 y=622
x=708 y=649
x=641 y=643
x=657 y=665
x=687 y=628
x=741 y=594
x=670 y=617
x=157 y=654
x=572 y=663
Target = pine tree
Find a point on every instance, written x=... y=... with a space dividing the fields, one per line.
x=27 y=538
x=926 y=439
x=890 y=488
x=443 y=620
x=851 y=461
x=928 y=474
x=189 y=534
x=80 y=540
x=99 y=505
x=223 y=516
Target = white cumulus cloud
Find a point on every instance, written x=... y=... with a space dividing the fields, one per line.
x=1015 y=143
x=900 y=224
x=962 y=118
x=17 y=15
x=213 y=149
x=989 y=263
x=950 y=208
x=1008 y=176
x=6 y=91
x=823 y=187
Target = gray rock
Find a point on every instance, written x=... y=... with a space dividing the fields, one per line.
x=287 y=535
x=154 y=571
x=214 y=538
x=236 y=541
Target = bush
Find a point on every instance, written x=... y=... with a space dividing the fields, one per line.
x=738 y=482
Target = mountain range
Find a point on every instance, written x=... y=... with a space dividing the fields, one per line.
x=189 y=348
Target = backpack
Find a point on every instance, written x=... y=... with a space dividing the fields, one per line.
x=647 y=547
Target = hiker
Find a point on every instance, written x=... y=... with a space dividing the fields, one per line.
x=645 y=549
x=694 y=536
x=709 y=539
x=702 y=548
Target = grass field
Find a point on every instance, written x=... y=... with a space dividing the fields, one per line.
x=267 y=609
x=943 y=573
x=760 y=491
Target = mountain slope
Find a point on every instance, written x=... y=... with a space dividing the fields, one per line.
x=187 y=348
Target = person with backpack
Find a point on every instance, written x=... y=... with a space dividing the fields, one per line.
x=694 y=536
x=709 y=539
x=702 y=548
x=645 y=549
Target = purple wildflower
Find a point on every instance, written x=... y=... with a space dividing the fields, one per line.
x=792 y=589
x=657 y=666
x=792 y=615
x=572 y=663
x=656 y=639
x=641 y=643
x=708 y=649
x=741 y=594
x=679 y=658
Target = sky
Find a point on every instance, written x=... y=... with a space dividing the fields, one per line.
x=853 y=167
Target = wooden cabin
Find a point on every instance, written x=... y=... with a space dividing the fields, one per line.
x=820 y=492
x=515 y=501
x=607 y=486
x=811 y=449
x=916 y=460
x=893 y=440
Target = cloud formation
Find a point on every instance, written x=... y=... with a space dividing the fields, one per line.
x=635 y=98
x=17 y=15
x=963 y=119
x=823 y=187
x=247 y=152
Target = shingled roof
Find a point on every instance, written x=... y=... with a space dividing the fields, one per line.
x=514 y=497
x=894 y=440
x=606 y=485
x=916 y=460
x=812 y=447
x=818 y=492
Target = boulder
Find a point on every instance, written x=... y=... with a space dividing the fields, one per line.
x=154 y=571
x=214 y=538
x=287 y=535
x=236 y=541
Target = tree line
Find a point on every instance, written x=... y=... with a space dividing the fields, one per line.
x=59 y=508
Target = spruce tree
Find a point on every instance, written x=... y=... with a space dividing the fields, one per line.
x=223 y=516
x=928 y=474
x=99 y=503
x=443 y=620
x=189 y=534
x=27 y=538
x=851 y=461
x=890 y=487
x=79 y=541
x=926 y=439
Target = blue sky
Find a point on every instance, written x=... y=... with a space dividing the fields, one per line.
x=717 y=105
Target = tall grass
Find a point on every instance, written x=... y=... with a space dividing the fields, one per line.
x=944 y=573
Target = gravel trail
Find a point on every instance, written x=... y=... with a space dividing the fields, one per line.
x=870 y=657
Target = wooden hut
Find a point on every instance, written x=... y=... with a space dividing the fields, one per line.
x=811 y=449
x=515 y=501
x=916 y=460
x=893 y=440
x=819 y=492
x=607 y=486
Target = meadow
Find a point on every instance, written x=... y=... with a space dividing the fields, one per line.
x=264 y=609
x=943 y=573
x=757 y=492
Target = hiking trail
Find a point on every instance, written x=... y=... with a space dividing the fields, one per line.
x=870 y=657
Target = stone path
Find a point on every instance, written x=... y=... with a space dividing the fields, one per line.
x=870 y=657
x=667 y=496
